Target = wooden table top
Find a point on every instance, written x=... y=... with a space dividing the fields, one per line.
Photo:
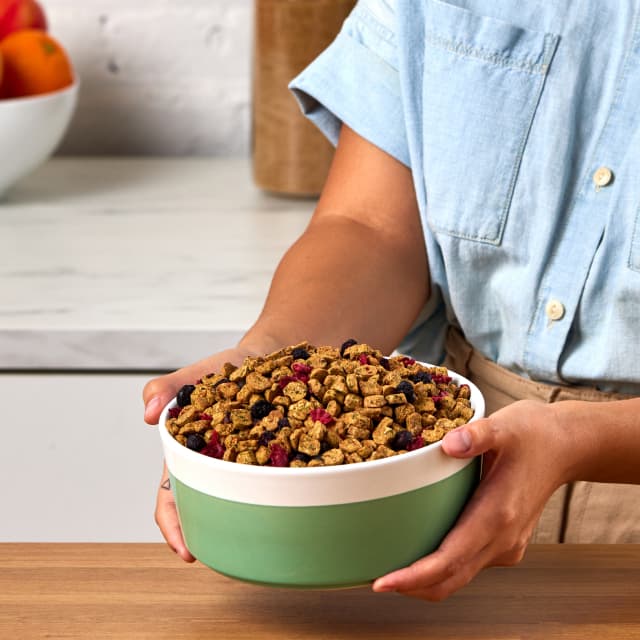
x=133 y=591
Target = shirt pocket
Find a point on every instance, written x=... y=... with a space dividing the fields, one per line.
x=482 y=83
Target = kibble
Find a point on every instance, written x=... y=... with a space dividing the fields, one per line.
x=307 y=406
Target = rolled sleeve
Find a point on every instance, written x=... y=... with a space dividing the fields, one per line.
x=355 y=81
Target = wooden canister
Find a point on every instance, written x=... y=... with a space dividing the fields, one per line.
x=290 y=156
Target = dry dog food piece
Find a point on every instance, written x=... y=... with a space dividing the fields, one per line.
x=307 y=406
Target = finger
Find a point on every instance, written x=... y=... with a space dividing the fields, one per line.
x=442 y=590
x=158 y=392
x=474 y=536
x=473 y=439
x=167 y=520
x=444 y=564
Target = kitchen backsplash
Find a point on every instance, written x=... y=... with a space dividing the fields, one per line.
x=159 y=77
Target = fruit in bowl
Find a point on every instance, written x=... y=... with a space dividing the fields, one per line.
x=34 y=63
x=343 y=480
x=38 y=90
x=16 y=15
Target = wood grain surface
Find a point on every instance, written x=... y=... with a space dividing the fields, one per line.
x=136 y=591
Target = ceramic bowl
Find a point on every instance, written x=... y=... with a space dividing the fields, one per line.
x=321 y=527
x=31 y=128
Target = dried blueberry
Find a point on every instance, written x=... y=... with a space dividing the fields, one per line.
x=261 y=409
x=384 y=363
x=421 y=376
x=402 y=440
x=407 y=388
x=283 y=422
x=302 y=456
x=300 y=354
x=195 y=442
x=183 y=397
x=265 y=438
x=346 y=345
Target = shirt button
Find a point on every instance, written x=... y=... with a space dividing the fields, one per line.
x=554 y=310
x=602 y=177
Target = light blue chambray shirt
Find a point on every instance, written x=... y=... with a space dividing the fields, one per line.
x=508 y=113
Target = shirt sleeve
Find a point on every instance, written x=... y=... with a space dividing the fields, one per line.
x=355 y=81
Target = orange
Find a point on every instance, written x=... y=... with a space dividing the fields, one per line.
x=1 y=69
x=34 y=63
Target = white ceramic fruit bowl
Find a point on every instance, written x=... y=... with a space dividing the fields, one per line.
x=31 y=129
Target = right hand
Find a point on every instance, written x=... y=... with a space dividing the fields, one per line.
x=157 y=394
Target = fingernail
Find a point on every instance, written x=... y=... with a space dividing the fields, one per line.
x=151 y=407
x=458 y=441
x=380 y=586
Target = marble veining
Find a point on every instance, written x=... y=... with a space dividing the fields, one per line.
x=137 y=264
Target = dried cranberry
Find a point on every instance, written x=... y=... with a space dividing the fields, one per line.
x=322 y=415
x=363 y=358
x=174 y=412
x=301 y=369
x=285 y=380
x=416 y=443
x=214 y=448
x=442 y=394
x=438 y=379
x=205 y=416
x=407 y=362
x=279 y=456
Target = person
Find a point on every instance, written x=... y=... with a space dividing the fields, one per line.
x=483 y=207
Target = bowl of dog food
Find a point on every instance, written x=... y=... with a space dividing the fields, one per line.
x=318 y=467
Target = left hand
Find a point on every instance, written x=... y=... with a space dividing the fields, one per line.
x=526 y=458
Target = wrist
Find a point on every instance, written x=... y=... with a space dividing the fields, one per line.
x=600 y=440
x=578 y=442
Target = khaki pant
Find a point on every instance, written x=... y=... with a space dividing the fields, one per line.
x=581 y=512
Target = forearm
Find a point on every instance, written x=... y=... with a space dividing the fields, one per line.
x=602 y=440
x=360 y=269
x=344 y=279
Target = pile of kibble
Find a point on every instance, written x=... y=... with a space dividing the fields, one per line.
x=306 y=406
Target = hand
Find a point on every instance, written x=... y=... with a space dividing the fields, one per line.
x=526 y=458
x=156 y=394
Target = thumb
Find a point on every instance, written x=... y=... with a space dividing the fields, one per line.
x=470 y=440
x=160 y=391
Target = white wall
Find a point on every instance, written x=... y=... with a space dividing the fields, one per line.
x=158 y=76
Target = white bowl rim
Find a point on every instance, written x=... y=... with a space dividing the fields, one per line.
x=191 y=468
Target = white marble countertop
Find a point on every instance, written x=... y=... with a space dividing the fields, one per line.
x=136 y=264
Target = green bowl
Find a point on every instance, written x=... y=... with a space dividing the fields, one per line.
x=321 y=527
